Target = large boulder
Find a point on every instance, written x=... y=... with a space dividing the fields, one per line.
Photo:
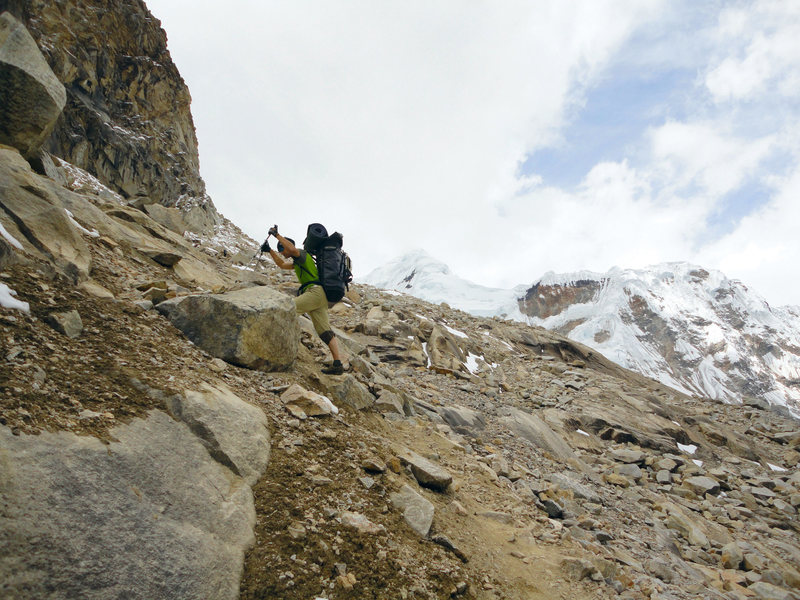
x=234 y=432
x=255 y=328
x=31 y=96
x=149 y=515
x=463 y=420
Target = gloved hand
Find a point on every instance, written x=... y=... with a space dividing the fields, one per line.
x=265 y=246
x=274 y=230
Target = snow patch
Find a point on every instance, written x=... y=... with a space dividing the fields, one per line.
x=688 y=448
x=10 y=238
x=456 y=332
x=7 y=299
x=93 y=233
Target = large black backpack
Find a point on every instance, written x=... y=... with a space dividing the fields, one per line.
x=333 y=264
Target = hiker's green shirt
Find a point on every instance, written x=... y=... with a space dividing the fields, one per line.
x=305 y=268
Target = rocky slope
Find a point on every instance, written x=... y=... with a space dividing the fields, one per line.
x=469 y=456
x=692 y=329
x=458 y=457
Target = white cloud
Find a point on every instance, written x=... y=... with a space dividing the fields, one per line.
x=397 y=124
x=704 y=154
x=404 y=125
x=763 y=40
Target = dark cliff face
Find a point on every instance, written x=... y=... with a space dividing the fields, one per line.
x=543 y=301
x=127 y=119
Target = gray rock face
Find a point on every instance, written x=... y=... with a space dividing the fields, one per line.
x=151 y=515
x=31 y=97
x=235 y=433
x=127 y=119
x=255 y=328
x=460 y=418
x=31 y=202
x=536 y=431
x=417 y=511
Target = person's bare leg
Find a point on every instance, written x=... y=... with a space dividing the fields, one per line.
x=334 y=346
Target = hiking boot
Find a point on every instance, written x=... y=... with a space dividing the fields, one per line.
x=337 y=368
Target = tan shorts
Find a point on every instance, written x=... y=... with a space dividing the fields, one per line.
x=314 y=303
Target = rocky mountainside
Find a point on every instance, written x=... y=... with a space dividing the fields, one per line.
x=127 y=118
x=692 y=329
x=166 y=432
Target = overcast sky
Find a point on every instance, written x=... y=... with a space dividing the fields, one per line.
x=507 y=139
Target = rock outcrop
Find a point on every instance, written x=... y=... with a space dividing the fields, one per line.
x=127 y=119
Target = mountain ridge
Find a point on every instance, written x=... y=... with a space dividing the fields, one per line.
x=691 y=328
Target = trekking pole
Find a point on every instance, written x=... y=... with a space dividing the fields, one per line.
x=260 y=252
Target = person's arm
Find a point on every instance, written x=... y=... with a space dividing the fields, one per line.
x=283 y=264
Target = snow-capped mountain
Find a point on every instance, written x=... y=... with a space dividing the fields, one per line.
x=422 y=276
x=688 y=327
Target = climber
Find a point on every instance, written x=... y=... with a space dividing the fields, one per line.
x=311 y=297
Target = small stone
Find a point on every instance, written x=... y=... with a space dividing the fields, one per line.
x=630 y=471
x=69 y=323
x=361 y=523
x=218 y=365
x=458 y=508
x=426 y=473
x=578 y=569
x=373 y=465
x=553 y=509
x=753 y=562
x=666 y=464
x=702 y=485
x=345 y=583
x=617 y=479
x=603 y=536
x=297 y=531
x=767 y=591
x=731 y=556
x=300 y=401
x=664 y=477
x=417 y=511
x=628 y=456
x=445 y=542
x=500 y=517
